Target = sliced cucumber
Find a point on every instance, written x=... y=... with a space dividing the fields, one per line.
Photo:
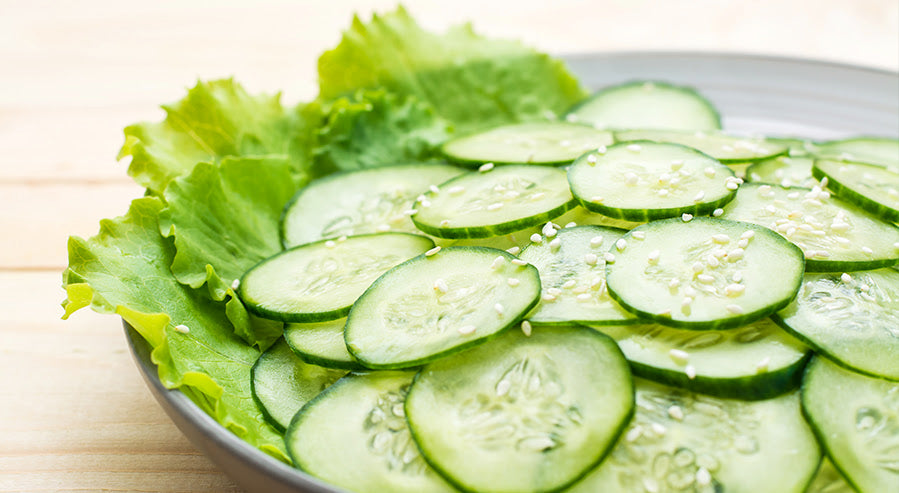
x=852 y=319
x=835 y=236
x=640 y=181
x=359 y=202
x=582 y=217
x=680 y=442
x=434 y=305
x=786 y=171
x=829 y=480
x=703 y=274
x=321 y=344
x=282 y=383
x=647 y=104
x=494 y=202
x=354 y=436
x=872 y=187
x=758 y=361
x=573 y=276
x=725 y=148
x=522 y=413
x=549 y=143
x=319 y=281
x=856 y=419
x=876 y=150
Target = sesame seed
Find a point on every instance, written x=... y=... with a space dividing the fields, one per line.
x=548 y=298
x=713 y=261
x=686 y=302
x=467 y=329
x=697 y=267
x=498 y=308
x=705 y=278
x=663 y=193
x=526 y=328
x=689 y=291
x=653 y=256
x=665 y=313
x=485 y=167
x=583 y=297
x=721 y=239
x=341 y=239
x=330 y=244
x=687 y=217
x=519 y=262
x=762 y=366
x=444 y=223
x=864 y=288
x=455 y=190
x=609 y=258
x=433 y=189
x=555 y=244
x=743 y=243
x=673 y=283
x=747 y=235
x=677 y=164
x=731 y=185
x=494 y=206
x=498 y=262
x=703 y=477
x=734 y=289
x=235 y=284
x=679 y=356
x=591 y=158
x=770 y=209
x=735 y=254
x=410 y=212
x=634 y=147
x=596 y=241
x=182 y=329
x=710 y=172
x=440 y=285
x=634 y=433
x=867 y=250
x=554 y=291
x=591 y=259
x=513 y=282
x=640 y=235
x=690 y=371
x=793 y=195
x=511 y=195
x=536 y=238
x=631 y=178
x=569 y=284
x=664 y=178
x=537 y=196
x=676 y=412
x=621 y=244
x=717 y=212
x=432 y=252
x=601 y=149
x=839 y=227
x=425 y=203
x=735 y=309
x=548 y=230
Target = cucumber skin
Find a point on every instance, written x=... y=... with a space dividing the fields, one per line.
x=870 y=206
x=265 y=414
x=455 y=349
x=624 y=424
x=488 y=231
x=646 y=215
x=325 y=362
x=822 y=352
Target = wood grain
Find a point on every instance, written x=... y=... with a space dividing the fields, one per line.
x=75 y=414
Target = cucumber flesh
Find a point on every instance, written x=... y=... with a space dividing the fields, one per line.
x=640 y=181
x=876 y=150
x=786 y=171
x=354 y=436
x=829 y=480
x=681 y=441
x=835 y=236
x=572 y=276
x=647 y=104
x=851 y=318
x=872 y=187
x=856 y=418
x=758 y=361
x=725 y=148
x=522 y=413
x=321 y=344
x=434 y=305
x=548 y=143
x=359 y=202
x=703 y=274
x=317 y=282
x=282 y=383
x=494 y=202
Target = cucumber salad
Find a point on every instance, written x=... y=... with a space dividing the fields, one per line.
x=457 y=269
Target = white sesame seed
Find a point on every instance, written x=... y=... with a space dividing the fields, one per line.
x=721 y=239
x=686 y=302
x=330 y=244
x=513 y=282
x=182 y=329
x=526 y=328
x=433 y=189
x=548 y=298
x=664 y=178
x=631 y=178
x=864 y=287
x=591 y=158
x=839 y=226
x=676 y=412
x=717 y=212
x=498 y=308
x=569 y=284
x=601 y=149
x=596 y=241
x=410 y=212
x=536 y=196
x=440 y=285
x=235 y=284
x=519 y=262
x=455 y=190
x=735 y=254
x=536 y=238
x=705 y=278
x=514 y=250
x=697 y=267
x=677 y=164
x=673 y=283
x=634 y=433
x=341 y=239
x=665 y=313
x=687 y=217
x=735 y=309
x=663 y=192
x=846 y=278
x=621 y=244
x=703 y=477
x=743 y=243
x=690 y=371
x=432 y=252
x=634 y=147
x=555 y=244
x=554 y=291
x=653 y=256
x=762 y=366
x=747 y=235
x=734 y=289
x=867 y=250
x=425 y=203
x=731 y=185
x=511 y=195
x=640 y=235
x=710 y=172
x=485 y=167
x=679 y=356
x=591 y=259
x=689 y=291
x=498 y=262
x=548 y=230
x=583 y=297
x=503 y=387
x=609 y=258
x=495 y=206
x=713 y=261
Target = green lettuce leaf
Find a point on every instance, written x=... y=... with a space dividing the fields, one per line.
x=373 y=128
x=471 y=81
x=215 y=120
x=125 y=270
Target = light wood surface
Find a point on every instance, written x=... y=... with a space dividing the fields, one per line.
x=74 y=412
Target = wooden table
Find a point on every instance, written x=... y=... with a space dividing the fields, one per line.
x=74 y=412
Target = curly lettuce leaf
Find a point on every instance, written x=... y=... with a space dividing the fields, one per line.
x=374 y=128
x=125 y=270
x=215 y=120
x=471 y=81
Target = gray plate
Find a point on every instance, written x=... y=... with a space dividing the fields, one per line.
x=755 y=94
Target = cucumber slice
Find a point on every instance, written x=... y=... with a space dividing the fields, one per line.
x=354 y=436
x=786 y=171
x=829 y=480
x=703 y=274
x=573 y=276
x=494 y=202
x=856 y=418
x=725 y=148
x=834 y=235
x=548 y=143
x=321 y=344
x=757 y=361
x=282 y=383
x=647 y=104
x=522 y=413
x=317 y=282
x=640 y=181
x=582 y=217
x=852 y=319
x=876 y=150
x=434 y=305
x=872 y=187
x=680 y=441
x=359 y=202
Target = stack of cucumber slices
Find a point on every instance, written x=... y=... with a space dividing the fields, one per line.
x=624 y=300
